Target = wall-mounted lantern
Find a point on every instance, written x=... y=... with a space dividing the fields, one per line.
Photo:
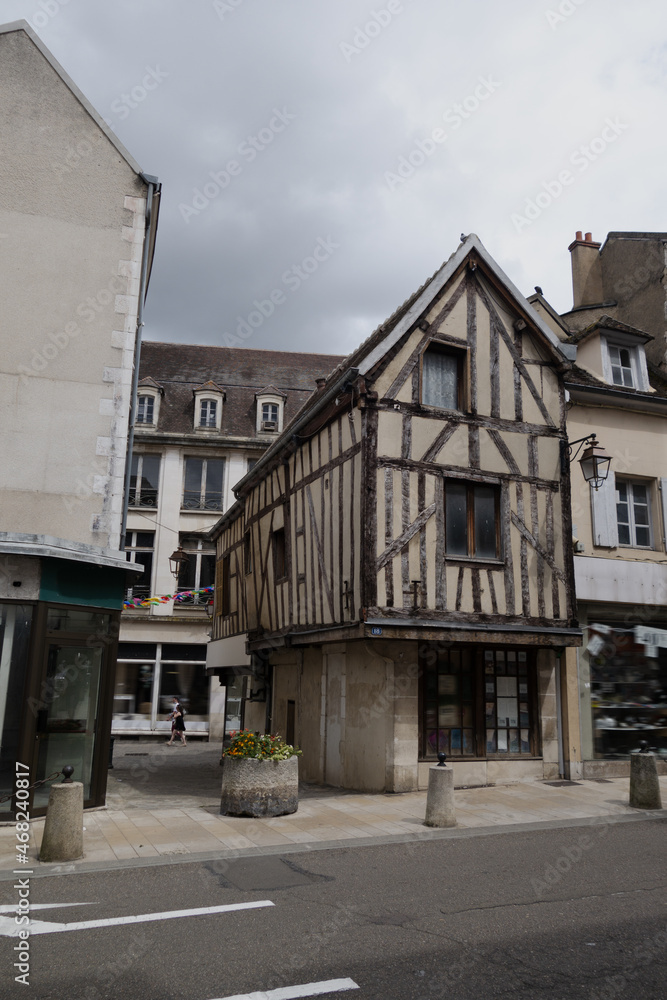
x=594 y=461
x=176 y=560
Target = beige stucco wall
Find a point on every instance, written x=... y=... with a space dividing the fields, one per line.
x=637 y=443
x=73 y=228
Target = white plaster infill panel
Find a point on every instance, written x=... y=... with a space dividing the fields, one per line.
x=227 y=653
x=620 y=581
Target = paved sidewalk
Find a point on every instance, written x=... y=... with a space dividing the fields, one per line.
x=163 y=804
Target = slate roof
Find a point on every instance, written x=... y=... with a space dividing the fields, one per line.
x=657 y=381
x=607 y=323
x=241 y=372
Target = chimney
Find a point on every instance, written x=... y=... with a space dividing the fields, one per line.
x=586 y=271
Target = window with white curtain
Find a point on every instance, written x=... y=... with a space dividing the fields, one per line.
x=441 y=378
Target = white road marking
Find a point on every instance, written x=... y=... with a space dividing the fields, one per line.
x=305 y=990
x=9 y=928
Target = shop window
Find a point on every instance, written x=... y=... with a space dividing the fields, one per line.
x=279 y=555
x=144 y=481
x=15 y=626
x=442 y=378
x=628 y=689
x=506 y=702
x=199 y=570
x=141 y=545
x=203 y=484
x=477 y=703
x=633 y=514
x=148 y=675
x=472 y=520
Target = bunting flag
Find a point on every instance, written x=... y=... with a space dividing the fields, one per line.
x=183 y=595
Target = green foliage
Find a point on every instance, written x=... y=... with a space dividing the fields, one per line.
x=248 y=745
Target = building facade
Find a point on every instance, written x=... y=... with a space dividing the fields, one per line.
x=401 y=557
x=618 y=389
x=204 y=417
x=80 y=219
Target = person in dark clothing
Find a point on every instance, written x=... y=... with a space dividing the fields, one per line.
x=177 y=723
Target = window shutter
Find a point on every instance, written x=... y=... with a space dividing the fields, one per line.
x=663 y=501
x=605 y=523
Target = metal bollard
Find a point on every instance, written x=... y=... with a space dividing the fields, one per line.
x=440 y=795
x=63 y=829
x=644 y=784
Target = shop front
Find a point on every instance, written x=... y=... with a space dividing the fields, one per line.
x=57 y=659
x=148 y=676
x=624 y=693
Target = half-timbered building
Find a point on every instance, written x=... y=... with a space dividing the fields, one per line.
x=400 y=558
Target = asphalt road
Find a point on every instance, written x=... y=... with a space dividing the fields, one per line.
x=559 y=914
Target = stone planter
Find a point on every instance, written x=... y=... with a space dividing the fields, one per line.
x=252 y=787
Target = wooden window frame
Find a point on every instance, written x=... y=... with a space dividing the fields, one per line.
x=470 y=521
x=279 y=555
x=631 y=523
x=427 y=662
x=247 y=553
x=225 y=586
x=460 y=354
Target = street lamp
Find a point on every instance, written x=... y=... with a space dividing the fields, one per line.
x=176 y=560
x=594 y=461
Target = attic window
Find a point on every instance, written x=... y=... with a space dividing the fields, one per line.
x=208 y=412
x=622 y=368
x=208 y=407
x=145 y=409
x=270 y=407
x=442 y=378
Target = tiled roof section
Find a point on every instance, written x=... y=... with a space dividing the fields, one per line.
x=606 y=323
x=149 y=383
x=657 y=380
x=270 y=390
x=241 y=372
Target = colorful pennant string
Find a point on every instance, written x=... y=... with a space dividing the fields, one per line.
x=183 y=595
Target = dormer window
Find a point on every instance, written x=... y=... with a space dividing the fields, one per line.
x=623 y=365
x=145 y=408
x=270 y=406
x=208 y=407
x=149 y=393
x=269 y=416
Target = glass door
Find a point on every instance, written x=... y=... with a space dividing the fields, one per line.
x=67 y=714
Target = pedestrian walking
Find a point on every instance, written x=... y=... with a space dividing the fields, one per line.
x=177 y=722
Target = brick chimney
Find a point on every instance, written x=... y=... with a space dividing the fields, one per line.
x=586 y=271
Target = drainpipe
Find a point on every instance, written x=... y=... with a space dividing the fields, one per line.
x=153 y=186
x=559 y=717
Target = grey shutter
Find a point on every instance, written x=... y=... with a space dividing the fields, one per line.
x=663 y=500
x=605 y=523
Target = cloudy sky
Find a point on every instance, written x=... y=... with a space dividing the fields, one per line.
x=332 y=152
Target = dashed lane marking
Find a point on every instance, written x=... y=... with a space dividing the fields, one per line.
x=305 y=990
